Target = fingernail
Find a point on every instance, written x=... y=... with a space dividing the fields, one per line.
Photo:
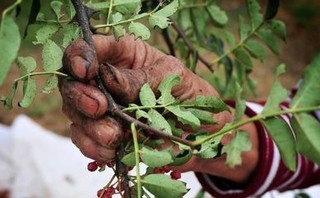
x=89 y=106
x=80 y=67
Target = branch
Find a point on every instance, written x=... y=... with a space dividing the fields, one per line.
x=168 y=41
x=189 y=45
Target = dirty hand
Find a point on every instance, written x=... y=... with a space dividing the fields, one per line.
x=124 y=67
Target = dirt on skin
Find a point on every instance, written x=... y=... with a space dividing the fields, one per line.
x=302 y=45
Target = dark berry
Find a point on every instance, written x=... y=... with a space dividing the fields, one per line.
x=158 y=170
x=167 y=169
x=100 y=193
x=92 y=166
x=175 y=174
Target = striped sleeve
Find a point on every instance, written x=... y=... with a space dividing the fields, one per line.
x=270 y=174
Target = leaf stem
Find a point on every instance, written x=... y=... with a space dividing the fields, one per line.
x=4 y=13
x=252 y=33
x=254 y=119
x=137 y=158
x=137 y=17
x=40 y=74
x=110 y=11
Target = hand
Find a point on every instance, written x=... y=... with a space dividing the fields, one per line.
x=134 y=63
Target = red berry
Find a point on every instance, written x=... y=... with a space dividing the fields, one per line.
x=92 y=166
x=110 y=164
x=158 y=170
x=167 y=169
x=100 y=193
x=110 y=190
x=175 y=174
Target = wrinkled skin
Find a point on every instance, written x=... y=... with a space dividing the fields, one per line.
x=134 y=63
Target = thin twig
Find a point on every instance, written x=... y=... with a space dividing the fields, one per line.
x=168 y=41
x=188 y=44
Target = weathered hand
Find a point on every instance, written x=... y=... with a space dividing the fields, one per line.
x=134 y=63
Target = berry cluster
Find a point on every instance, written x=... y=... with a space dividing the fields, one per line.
x=175 y=174
x=106 y=193
x=93 y=166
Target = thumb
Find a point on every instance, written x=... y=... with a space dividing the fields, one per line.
x=124 y=84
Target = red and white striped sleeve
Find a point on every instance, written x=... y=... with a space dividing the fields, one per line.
x=270 y=174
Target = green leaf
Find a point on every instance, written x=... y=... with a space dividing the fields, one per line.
x=118 y=31
x=307 y=128
x=242 y=56
x=169 y=9
x=29 y=92
x=277 y=94
x=208 y=149
x=9 y=45
x=254 y=13
x=71 y=33
x=139 y=30
x=147 y=97
x=163 y=186
x=70 y=9
x=116 y=17
x=127 y=7
x=142 y=114
x=26 y=65
x=56 y=7
x=185 y=117
x=183 y=157
x=255 y=49
x=307 y=94
x=282 y=136
x=158 y=20
x=165 y=88
x=9 y=98
x=240 y=104
x=45 y=33
x=175 y=131
x=244 y=28
x=217 y=15
x=241 y=142
x=129 y=159
x=50 y=84
x=159 y=122
x=51 y=56
x=270 y=40
x=154 y=158
x=208 y=103
x=279 y=28
x=205 y=117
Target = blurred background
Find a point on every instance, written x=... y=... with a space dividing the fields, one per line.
x=303 y=43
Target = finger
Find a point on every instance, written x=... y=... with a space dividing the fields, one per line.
x=83 y=98
x=107 y=132
x=80 y=60
x=125 y=84
x=89 y=147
